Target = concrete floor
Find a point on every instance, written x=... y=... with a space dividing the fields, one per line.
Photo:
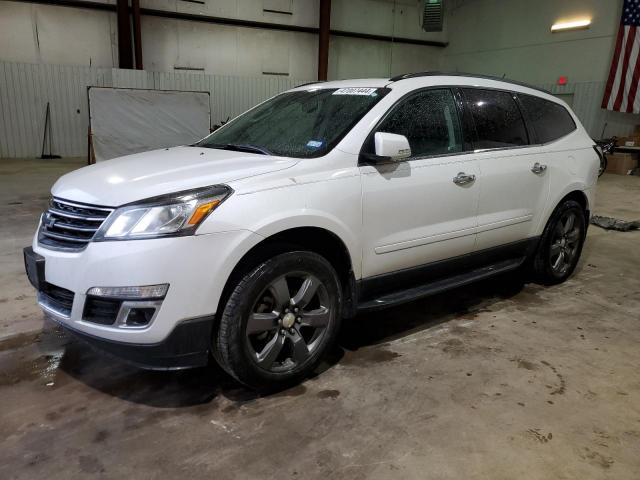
x=496 y=381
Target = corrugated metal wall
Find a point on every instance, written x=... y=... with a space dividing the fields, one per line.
x=25 y=90
x=587 y=97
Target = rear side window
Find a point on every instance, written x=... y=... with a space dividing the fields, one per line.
x=497 y=118
x=549 y=119
x=429 y=120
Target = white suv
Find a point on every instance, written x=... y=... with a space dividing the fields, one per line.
x=326 y=200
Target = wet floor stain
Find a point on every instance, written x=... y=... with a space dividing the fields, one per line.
x=536 y=435
x=525 y=364
x=562 y=384
x=18 y=341
x=328 y=394
x=101 y=436
x=38 y=360
x=369 y=356
x=597 y=458
x=453 y=346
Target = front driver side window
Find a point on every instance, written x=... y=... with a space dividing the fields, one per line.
x=429 y=120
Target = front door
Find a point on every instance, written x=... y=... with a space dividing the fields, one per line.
x=418 y=211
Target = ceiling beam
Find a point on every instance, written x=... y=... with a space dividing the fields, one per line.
x=240 y=22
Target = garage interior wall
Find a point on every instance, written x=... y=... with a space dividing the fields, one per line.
x=51 y=53
x=513 y=38
x=36 y=33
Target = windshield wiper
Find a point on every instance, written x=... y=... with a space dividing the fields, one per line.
x=244 y=147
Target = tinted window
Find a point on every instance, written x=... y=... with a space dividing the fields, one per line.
x=497 y=119
x=549 y=120
x=305 y=123
x=429 y=120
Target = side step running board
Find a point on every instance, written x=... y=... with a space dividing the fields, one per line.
x=438 y=286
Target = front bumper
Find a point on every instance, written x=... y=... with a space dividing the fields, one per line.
x=195 y=267
x=187 y=346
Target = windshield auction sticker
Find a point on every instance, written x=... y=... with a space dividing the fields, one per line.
x=355 y=91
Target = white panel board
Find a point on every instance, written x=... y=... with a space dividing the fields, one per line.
x=125 y=120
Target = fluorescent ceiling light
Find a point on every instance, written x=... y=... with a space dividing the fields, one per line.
x=573 y=25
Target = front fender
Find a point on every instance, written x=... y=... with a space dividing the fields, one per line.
x=333 y=205
x=283 y=221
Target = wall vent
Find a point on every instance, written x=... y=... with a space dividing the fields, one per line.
x=432 y=15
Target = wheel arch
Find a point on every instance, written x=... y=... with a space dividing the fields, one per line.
x=579 y=196
x=574 y=192
x=313 y=238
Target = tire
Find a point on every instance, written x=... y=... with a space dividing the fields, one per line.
x=561 y=244
x=279 y=321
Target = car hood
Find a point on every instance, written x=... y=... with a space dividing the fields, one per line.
x=143 y=175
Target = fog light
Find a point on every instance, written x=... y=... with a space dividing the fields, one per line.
x=144 y=292
x=138 y=317
x=137 y=313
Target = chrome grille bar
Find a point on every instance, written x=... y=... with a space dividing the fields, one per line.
x=64 y=238
x=75 y=216
x=79 y=205
x=69 y=225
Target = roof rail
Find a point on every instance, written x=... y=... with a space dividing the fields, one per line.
x=309 y=83
x=460 y=74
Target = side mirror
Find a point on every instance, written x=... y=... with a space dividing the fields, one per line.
x=389 y=148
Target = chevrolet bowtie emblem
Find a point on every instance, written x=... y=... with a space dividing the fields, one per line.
x=49 y=221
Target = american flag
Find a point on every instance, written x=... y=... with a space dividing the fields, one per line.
x=621 y=92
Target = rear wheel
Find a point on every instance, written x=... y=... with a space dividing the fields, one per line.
x=561 y=244
x=279 y=321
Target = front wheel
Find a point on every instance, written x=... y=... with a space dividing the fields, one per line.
x=279 y=320
x=561 y=244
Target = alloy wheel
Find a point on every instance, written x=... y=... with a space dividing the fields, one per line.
x=565 y=242
x=288 y=322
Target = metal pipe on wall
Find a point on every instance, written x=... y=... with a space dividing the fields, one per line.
x=125 y=55
x=137 y=33
x=323 y=39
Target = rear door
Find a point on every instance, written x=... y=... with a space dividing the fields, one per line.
x=414 y=212
x=514 y=182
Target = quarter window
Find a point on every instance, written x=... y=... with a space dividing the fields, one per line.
x=497 y=119
x=429 y=120
x=549 y=119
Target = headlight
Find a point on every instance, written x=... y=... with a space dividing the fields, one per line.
x=168 y=215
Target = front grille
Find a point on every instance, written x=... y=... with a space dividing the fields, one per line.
x=57 y=298
x=101 y=310
x=70 y=226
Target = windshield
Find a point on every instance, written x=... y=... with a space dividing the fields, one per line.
x=297 y=124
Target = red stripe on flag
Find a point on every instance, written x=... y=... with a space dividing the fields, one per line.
x=633 y=88
x=614 y=67
x=625 y=67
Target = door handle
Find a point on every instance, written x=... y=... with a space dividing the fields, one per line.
x=463 y=179
x=538 y=168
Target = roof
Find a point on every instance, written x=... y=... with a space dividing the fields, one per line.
x=430 y=78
